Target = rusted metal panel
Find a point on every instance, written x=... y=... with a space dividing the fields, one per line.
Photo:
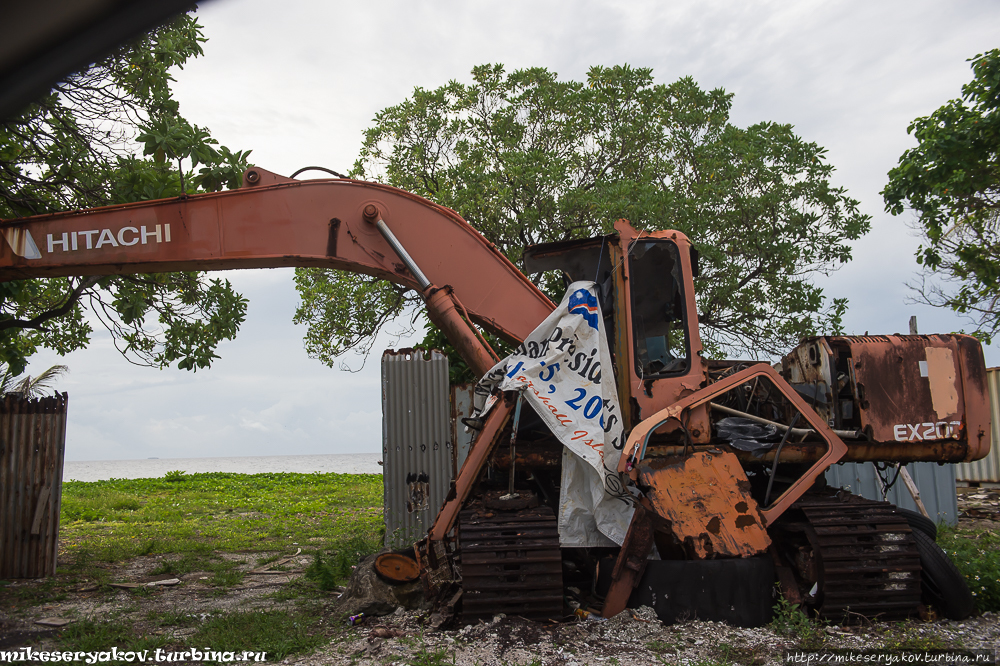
x=416 y=442
x=631 y=561
x=919 y=388
x=706 y=498
x=635 y=448
x=914 y=397
x=32 y=444
x=935 y=482
x=986 y=470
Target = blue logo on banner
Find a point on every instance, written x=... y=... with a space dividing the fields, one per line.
x=583 y=303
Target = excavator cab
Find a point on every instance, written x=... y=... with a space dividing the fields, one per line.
x=646 y=291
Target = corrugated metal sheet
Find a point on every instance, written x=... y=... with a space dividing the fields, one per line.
x=936 y=484
x=416 y=442
x=987 y=470
x=32 y=444
x=461 y=407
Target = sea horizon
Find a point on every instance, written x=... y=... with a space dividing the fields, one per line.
x=144 y=468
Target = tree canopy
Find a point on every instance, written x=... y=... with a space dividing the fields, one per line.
x=527 y=158
x=114 y=134
x=951 y=180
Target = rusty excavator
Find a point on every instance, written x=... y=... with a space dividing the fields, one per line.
x=727 y=458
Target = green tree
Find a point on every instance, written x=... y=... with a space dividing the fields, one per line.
x=79 y=147
x=527 y=158
x=951 y=180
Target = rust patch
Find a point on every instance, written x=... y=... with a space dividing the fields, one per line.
x=418 y=486
x=698 y=497
x=331 y=240
x=941 y=375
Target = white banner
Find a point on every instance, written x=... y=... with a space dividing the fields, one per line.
x=564 y=370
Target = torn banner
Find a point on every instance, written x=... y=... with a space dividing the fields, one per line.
x=564 y=371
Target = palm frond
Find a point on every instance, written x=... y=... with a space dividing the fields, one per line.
x=35 y=387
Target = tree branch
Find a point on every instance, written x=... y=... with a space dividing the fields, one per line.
x=36 y=322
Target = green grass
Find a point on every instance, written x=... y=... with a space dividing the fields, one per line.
x=423 y=655
x=733 y=654
x=98 y=636
x=278 y=633
x=332 y=569
x=224 y=573
x=908 y=639
x=976 y=553
x=662 y=647
x=190 y=522
x=115 y=520
x=790 y=620
x=172 y=619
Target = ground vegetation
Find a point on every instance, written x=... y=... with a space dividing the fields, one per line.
x=212 y=587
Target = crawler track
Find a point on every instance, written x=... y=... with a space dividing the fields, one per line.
x=510 y=563
x=864 y=559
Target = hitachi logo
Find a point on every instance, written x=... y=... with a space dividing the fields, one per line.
x=95 y=239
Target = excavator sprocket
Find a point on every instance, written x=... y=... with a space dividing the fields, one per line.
x=860 y=554
x=510 y=563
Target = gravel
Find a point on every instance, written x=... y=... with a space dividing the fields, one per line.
x=632 y=637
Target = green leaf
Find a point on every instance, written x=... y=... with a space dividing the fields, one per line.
x=526 y=158
x=63 y=155
x=951 y=181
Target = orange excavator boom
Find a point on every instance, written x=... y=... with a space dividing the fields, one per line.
x=274 y=221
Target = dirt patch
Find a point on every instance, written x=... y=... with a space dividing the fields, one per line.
x=77 y=595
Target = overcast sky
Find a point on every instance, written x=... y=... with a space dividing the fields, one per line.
x=298 y=82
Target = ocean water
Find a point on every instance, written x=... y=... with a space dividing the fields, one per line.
x=343 y=463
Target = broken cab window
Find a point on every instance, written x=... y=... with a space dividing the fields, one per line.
x=658 y=317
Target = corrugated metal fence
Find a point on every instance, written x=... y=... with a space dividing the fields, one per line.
x=936 y=484
x=32 y=444
x=987 y=470
x=417 y=449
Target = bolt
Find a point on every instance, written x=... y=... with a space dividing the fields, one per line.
x=370 y=213
x=253 y=177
